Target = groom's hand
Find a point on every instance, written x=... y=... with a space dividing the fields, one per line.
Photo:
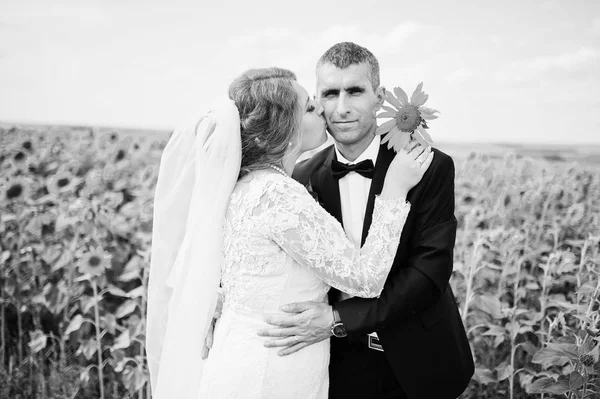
x=305 y=323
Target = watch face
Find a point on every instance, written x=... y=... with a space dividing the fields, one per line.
x=339 y=330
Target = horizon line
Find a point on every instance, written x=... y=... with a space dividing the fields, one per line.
x=170 y=130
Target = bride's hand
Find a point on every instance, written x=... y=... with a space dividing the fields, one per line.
x=406 y=171
x=208 y=342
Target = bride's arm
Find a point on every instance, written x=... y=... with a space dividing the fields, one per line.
x=315 y=239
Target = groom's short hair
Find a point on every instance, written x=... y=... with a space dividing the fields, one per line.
x=344 y=54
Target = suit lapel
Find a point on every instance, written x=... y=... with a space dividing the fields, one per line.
x=328 y=188
x=384 y=158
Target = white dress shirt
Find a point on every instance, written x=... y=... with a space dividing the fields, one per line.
x=354 y=194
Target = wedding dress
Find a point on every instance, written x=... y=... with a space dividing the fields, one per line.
x=280 y=246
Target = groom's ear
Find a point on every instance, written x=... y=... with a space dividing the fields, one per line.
x=380 y=94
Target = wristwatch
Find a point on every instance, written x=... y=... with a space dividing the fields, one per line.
x=337 y=329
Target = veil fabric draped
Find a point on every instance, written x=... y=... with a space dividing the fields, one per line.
x=198 y=171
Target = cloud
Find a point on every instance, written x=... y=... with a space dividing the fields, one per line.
x=268 y=36
x=524 y=70
x=460 y=75
x=581 y=57
x=378 y=43
x=596 y=26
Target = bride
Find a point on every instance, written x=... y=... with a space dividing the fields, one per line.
x=227 y=213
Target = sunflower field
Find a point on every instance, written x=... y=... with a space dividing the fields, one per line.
x=75 y=237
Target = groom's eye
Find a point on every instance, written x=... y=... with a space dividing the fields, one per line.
x=356 y=90
x=329 y=93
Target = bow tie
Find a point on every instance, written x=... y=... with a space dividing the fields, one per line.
x=364 y=168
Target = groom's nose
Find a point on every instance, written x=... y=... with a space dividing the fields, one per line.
x=343 y=106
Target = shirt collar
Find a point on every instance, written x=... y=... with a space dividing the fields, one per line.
x=370 y=153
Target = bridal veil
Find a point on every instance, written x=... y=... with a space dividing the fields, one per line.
x=198 y=171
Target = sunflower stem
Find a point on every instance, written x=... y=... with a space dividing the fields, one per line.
x=143 y=318
x=98 y=337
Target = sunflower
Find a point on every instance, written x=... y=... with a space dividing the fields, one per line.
x=62 y=182
x=409 y=118
x=20 y=160
x=16 y=189
x=94 y=262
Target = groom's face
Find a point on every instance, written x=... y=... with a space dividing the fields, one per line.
x=349 y=101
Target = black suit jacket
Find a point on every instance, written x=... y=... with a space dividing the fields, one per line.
x=416 y=317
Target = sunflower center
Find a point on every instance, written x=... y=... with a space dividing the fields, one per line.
x=408 y=118
x=14 y=191
x=94 y=261
x=20 y=156
x=62 y=182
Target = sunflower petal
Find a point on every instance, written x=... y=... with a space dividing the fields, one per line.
x=403 y=139
x=387 y=114
x=389 y=138
x=393 y=100
x=419 y=89
x=386 y=108
x=386 y=138
x=386 y=127
x=419 y=99
x=401 y=95
x=422 y=135
x=429 y=117
x=428 y=113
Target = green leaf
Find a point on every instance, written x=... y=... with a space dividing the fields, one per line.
x=484 y=376
x=116 y=291
x=84 y=376
x=109 y=322
x=495 y=330
x=38 y=341
x=513 y=328
x=118 y=360
x=75 y=324
x=66 y=258
x=137 y=292
x=504 y=370
x=131 y=271
x=576 y=381
x=126 y=308
x=556 y=355
x=88 y=348
x=123 y=341
x=548 y=385
x=528 y=347
x=490 y=305
x=499 y=339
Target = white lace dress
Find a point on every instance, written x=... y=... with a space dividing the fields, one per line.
x=280 y=246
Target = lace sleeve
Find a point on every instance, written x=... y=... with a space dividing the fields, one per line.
x=316 y=239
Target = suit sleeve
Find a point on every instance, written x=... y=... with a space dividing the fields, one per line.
x=420 y=283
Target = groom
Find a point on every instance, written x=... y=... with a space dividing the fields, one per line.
x=419 y=349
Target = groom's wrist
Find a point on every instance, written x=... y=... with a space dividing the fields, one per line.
x=337 y=328
x=336 y=315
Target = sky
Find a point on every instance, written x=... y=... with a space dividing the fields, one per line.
x=498 y=71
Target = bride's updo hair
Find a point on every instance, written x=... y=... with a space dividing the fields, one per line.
x=269 y=116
